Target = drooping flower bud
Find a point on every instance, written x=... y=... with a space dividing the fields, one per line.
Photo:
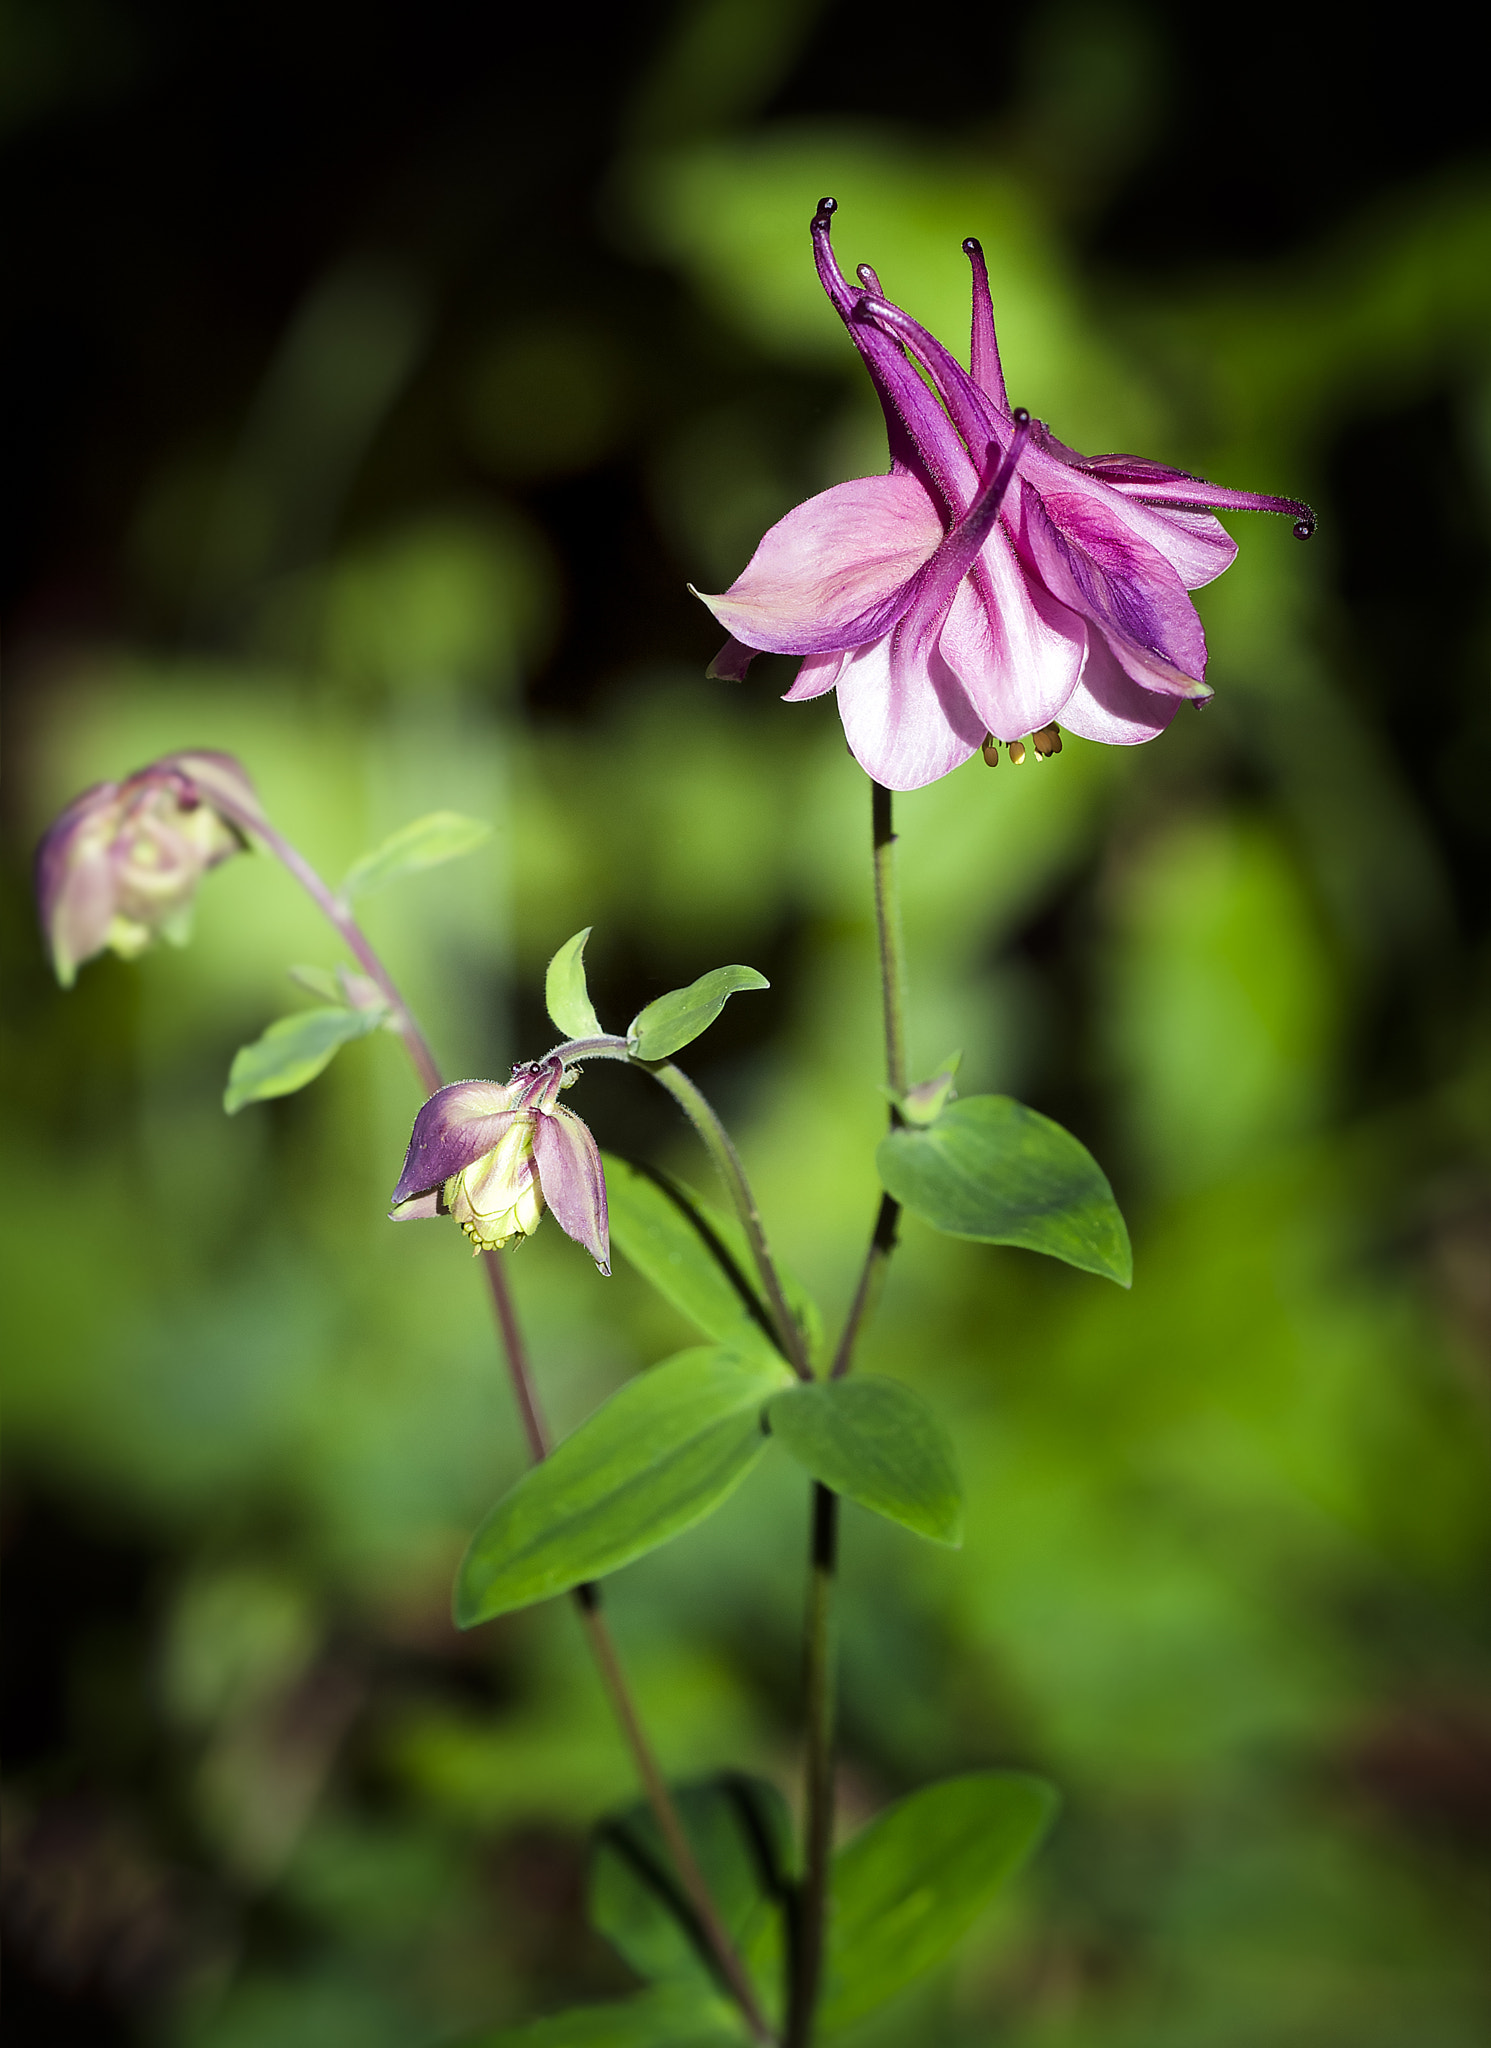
x=493 y=1155
x=122 y=864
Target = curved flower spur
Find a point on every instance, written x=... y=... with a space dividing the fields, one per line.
x=994 y=581
x=493 y=1154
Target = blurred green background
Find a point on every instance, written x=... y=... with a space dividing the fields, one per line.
x=378 y=378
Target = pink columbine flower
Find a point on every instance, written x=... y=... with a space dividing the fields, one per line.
x=123 y=862
x=491 y=1154
x=994 y=581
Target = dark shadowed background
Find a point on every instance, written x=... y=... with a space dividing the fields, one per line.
x=377 y=378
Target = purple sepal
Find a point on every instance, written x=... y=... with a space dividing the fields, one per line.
x=731 y=663
x=574 y=1185
x=75 y=880
x=217 y=779
x=459 y=1124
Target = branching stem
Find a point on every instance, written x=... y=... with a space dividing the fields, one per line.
x=587 y=1598
x=727 y=1161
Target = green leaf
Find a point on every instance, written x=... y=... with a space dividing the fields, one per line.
x=320 y=981
x=292 y=1052
x=671 y=1240
x=668 y=2017
x=657 y=1457
x=912 y=1883
x=992 y=1169
x=565 y=994
x=878 y=1442
x=741 y=1834
x=676 y=1019
x=442 y=836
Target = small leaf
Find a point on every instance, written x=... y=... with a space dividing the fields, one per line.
x=566 y=996
x=676 y=1019
x=991 y=1169
x=320 y=981
x=912 y=1883
x=673 y=1243
x=668 y=2017
x=741 y=1834
x=880 y=1444
x=924 y=1103
x=292 y=1052
x=442 y=836
x=657 y=1457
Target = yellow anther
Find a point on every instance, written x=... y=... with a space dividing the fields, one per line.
x=990 y=750
x=1017 y=752
x=1046 y=742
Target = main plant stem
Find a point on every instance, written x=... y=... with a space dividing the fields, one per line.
x=587 y=1598
x=819 y=1687
x=820 y=1659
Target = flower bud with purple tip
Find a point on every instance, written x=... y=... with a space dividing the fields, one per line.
x=495 y=1154
x=122 y=864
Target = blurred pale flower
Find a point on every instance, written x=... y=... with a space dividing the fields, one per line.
x=491 y=1154
x=122 y=863
x=995 y=580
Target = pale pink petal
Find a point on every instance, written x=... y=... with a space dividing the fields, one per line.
x=418 y=1209
x=834 y=572
x=907 y=721
x=1108 y=705
x=1197 y=546
x=1094 y=562
x=1015 y=648
x=574 y=1185
x=818 y=674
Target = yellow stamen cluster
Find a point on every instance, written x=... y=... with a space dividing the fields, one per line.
x=1046 y=742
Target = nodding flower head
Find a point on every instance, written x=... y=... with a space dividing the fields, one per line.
x=122 y=864
x=994 y=581
x=495 y=1154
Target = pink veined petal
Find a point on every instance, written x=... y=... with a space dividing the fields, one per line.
x=1195 y=545
x=958 y=550
x=1016 y=649
x=456 y=1127
x=1093 y=562
x=907 y=720
x=418 y=1208
x=574 y=1185
x=835 y=572
x=817 y=675
x=1109 y=706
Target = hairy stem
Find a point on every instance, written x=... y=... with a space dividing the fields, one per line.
x=587 y=1598
x=888 y=931
x=727 y=1160
x=813 y=1899
x=819 y=1686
